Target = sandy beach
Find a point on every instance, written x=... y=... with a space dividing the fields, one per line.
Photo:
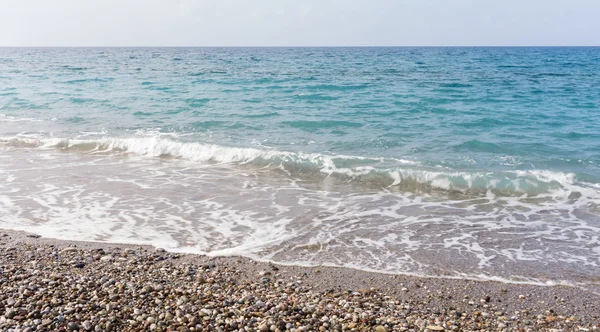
x=47 y=284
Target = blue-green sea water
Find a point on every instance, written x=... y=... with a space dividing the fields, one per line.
x=457 y=162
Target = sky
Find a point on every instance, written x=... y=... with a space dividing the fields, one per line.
x=299 y=22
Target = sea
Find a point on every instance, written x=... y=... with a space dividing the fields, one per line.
x=471 y=163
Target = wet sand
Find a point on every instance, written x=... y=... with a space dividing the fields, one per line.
x=48 y=284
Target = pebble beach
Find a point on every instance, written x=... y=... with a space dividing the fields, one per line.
x=52 y=285
x=453 y=188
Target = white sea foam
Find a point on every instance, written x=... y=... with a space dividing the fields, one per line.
x=10 y=118
x=112 y=192
x=406 y=173
x=69 y=176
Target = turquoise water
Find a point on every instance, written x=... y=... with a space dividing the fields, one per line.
x=388 y=159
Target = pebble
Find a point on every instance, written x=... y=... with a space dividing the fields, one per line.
x=86 y=325
x=10 y=313
x=68 y=250
x=156 y=290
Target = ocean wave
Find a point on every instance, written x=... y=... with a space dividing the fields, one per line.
x=9 y=118
x=305 y=124
x=336 y=87
x=479 y=146
x=89 y=80
x=375 y=172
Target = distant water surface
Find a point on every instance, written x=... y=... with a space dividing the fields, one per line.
x=459 y=162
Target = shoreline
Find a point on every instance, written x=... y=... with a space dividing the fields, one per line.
x=164 y=291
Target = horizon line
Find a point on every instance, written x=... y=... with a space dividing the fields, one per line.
x=295 y=46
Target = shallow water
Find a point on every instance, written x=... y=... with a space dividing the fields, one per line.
x=461 y=162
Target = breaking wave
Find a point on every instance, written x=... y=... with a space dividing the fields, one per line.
x=379 y=172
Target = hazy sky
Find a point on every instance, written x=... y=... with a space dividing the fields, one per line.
x=298 y=22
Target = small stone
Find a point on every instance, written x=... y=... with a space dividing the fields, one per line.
x=10 y=314
x=160 y=250
x=380 y=328
x=87 y=325
x=68 y=249
x=263 y=327
x=521 y=297
x=73 y=326
x=55 y=276
x=79 y=265
x=435 y=328
x=182 y=300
